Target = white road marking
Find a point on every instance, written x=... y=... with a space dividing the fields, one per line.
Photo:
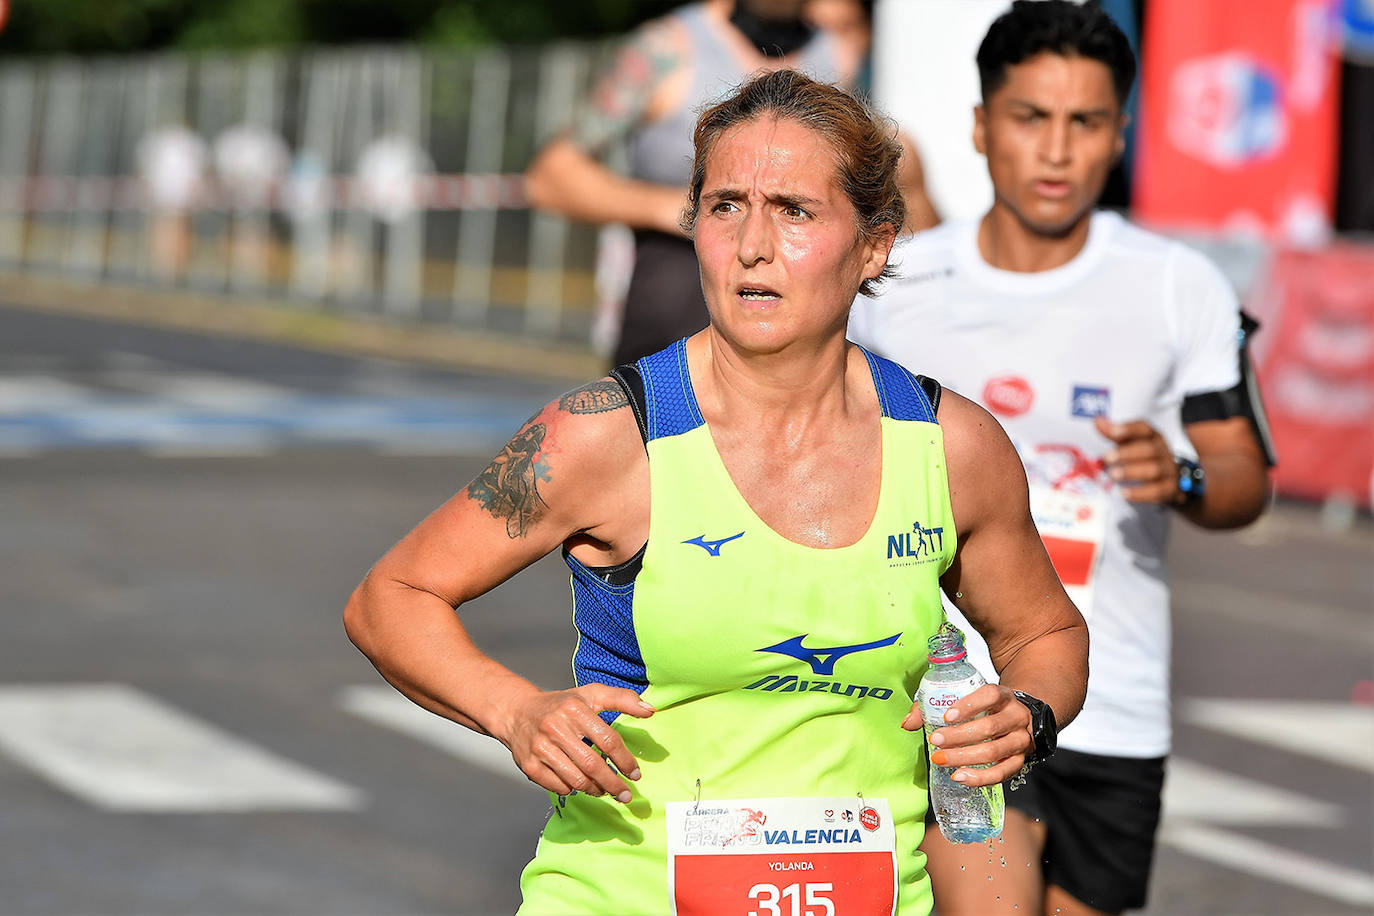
x=1269 y=863
x=383 y=706
x=1195 y=792
x=1346 y=730
x=122 y=750
x=21 y=393
x=207 y=390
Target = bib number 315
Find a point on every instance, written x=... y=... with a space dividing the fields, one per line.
x=809 y=856
x=788 y=901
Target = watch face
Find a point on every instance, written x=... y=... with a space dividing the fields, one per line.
x=1192 y=480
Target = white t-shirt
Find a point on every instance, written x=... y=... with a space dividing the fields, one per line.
x=1127 y=328
x=171 y=162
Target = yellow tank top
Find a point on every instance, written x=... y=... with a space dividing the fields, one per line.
x=776 y=669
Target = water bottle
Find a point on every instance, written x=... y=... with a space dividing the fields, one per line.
x=966 y=814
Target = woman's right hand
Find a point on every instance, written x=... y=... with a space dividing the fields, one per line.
x=545 y=736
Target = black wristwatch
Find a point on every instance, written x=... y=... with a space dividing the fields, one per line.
x=1192 y=480
x=1044 y=731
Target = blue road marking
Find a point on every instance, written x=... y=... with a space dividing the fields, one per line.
x=105 y=420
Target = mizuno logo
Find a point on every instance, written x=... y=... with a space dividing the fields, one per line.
x=712 y=547
x=822 y=660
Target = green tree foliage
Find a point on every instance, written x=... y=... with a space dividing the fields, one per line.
x=118 y=26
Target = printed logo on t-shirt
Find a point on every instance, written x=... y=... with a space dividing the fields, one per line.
x=1008 y=395
x=919 y=545
x=1065 y=468
x=1090 y=402
x=927 y=276
x=822 y=660
x=712 y=547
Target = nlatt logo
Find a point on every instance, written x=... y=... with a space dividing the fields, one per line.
x=920 y=543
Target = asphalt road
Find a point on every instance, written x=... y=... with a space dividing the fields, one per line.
x=185 y=729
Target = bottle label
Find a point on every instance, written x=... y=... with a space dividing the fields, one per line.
x=939 y=697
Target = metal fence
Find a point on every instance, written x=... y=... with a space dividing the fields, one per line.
x=380 y=180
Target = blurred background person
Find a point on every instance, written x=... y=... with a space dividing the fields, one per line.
x=250 y=162
x=851 y=22
x=1111 y=357
x=667 y=71
x=171 y=162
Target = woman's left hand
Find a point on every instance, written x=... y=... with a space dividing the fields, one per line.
x=1000 y=738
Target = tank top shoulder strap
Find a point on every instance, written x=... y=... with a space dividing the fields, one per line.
x=659 y=389
x=660 y=392
x=902 y=394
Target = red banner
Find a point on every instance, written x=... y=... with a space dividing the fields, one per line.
x=1239 y=102
x=1315 y=359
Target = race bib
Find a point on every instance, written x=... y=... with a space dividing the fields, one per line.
x=1073 y=527
x=782 y=857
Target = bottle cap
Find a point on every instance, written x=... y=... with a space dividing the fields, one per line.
x=947 y=645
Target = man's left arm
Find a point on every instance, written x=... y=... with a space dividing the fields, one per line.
x=1231 y=490
x=1227 y=486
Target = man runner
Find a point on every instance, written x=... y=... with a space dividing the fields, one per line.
x=1110 y=355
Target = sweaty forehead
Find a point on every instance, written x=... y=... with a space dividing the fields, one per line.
x=1057 y=81
x=772 y=151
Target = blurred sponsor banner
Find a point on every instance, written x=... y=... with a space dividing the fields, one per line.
x=1315 y=359
x=1240 y=116
x=1357 y=22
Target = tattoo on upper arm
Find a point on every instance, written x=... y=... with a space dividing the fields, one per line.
x=594 y=397
x=509 y=487
x=620 y=96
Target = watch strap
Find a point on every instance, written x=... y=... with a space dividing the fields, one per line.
x=1044 y=730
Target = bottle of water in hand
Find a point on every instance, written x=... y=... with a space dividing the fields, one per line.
x=966 y=814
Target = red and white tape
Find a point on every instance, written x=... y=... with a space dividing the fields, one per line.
x=76 y=193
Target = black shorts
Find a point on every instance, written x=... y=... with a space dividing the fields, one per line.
x=1100 y=815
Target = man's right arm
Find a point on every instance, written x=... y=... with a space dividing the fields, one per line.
x=566 y=177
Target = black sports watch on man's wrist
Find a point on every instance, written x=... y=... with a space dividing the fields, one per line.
x=1044 y=731
x=1192 y=480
